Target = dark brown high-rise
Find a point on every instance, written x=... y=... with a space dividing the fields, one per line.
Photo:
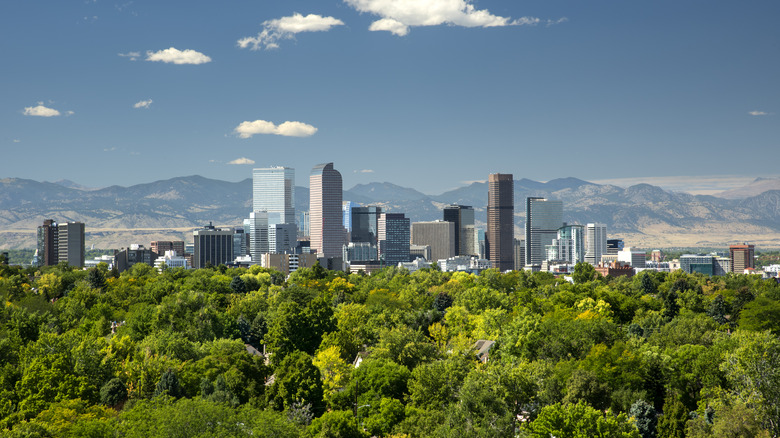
x=499 y=240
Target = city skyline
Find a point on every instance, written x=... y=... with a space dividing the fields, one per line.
x=165 y=90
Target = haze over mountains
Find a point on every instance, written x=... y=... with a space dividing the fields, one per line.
x=644 y=215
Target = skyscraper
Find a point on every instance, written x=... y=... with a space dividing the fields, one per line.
x=70 y=243
x=258 y=234
x=393 y=233
x=47 y=243
x=325 y=214
x=499 y=240
x=569 y=245
x=543 y=217
x=742 y=257
x=273 y=190
x=463 y=218
x=596 y=243
x=61 y=243
x=346 y=210
x=365 y=221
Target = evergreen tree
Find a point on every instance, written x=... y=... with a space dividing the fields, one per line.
x=645 y=417
x=169 y=385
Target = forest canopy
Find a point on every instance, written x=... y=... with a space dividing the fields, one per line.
x=235 y=352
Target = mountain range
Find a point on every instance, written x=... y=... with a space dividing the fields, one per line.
x=643 y=215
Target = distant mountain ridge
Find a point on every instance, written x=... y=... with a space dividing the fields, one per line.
x=644 y=213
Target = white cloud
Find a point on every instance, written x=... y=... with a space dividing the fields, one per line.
x=143 y=104
x=242 y=160
x=365 y=171
x=397 y=16
x=111 y=149
x=287 y=28
x=758 y=113
x=176 y=56
x=41 y=111
x=289 y=129
x=16 y=140
x=390 y=25
x=132 y=55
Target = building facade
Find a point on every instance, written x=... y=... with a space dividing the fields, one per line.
x=70 y=243
x=365 y=223
x=596 y=241
x=161 y=246
x=48 y=254
x=326 y=231
x=463 y=218
x=543 y=218
x=742 y=257
x=273 y=191
x=394 y=237
x=499 y=239
x=212 y=246
x=439 y=235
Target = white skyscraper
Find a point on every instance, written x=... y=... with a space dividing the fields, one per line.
x=273 y=191
x=596 y=237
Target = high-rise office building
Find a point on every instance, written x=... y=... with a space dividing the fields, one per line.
x=258 y=234
x=273 y=191
x=543 y=218
x=47 y=243
x=596 y=243
x=439 y=235
x=393 y=232
x=499 y=239
x=742 y=257
x=212 y=245
x=61 y=243
x=346 y=211
x=325 y=213
x=282 y=238
x=463 y=218
x=70 y=243
x=365 y=221
x=569 y=245
x=519 y=247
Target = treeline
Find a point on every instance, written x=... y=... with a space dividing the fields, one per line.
x=180 y=353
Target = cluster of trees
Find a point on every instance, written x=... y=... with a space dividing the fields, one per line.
x=181 y=353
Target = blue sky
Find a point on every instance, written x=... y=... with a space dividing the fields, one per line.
x=428 y=94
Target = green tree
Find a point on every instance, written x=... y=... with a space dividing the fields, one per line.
x=761 y=314
x=645 y=417
x=96 y=279
x=580 y=421
x=584 y=272
x=674 y=418
x=113 y=392
x=718 y=310
x=296 y=380
x=753 y=369
x=335 y=424
x=169 y=385
x=238 y=286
